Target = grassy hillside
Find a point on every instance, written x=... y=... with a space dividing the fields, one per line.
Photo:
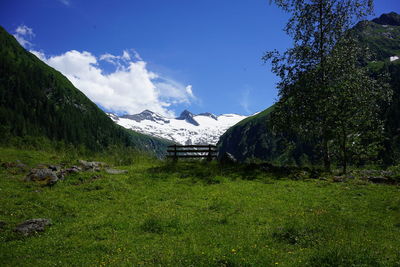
x=381 y=34
x=195 y=214
x=251 y=138
x=36 y=100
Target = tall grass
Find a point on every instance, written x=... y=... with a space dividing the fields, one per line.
x=195 y=214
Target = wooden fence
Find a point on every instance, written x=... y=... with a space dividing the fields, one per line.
x=192 y=151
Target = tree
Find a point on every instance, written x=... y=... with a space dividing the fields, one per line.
x=309 y=94
x=354 y=103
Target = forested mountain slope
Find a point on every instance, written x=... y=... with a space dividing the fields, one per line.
x=254 y=138
x=36 y=100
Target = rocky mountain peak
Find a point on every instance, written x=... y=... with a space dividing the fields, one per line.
x=146 y=115
x=208 y=114
x=189 y=117
x=391 y=18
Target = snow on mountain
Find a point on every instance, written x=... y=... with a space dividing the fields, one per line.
x=204 y=128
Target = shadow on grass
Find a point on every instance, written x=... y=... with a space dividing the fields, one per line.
x=215 y=172
x=344 y=256
x=157 y=225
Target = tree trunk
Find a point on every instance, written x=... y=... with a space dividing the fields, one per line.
x=344 y=151
x=327 y=160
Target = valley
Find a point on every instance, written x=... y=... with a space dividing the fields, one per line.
x=312 y=180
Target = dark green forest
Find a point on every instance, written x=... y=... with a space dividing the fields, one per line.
x=38 y=101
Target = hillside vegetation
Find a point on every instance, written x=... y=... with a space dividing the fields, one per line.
x=38 y=101
x=254 y=138
x=194 y=214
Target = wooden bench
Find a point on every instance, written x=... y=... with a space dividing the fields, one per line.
x=192 y=151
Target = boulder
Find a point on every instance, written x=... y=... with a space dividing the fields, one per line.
x=22 y=166
x=73 y=169
x=227 y=158
x=91 y=165
x=55 y=168
x=42 y=176
x=339 y=179
x=8 y=165
x=32 y=226
x=114 y=171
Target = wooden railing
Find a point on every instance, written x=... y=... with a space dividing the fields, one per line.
x=192 y=151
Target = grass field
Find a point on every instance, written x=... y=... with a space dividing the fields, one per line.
x=195 y=214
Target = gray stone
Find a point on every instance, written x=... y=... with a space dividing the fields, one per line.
x=42 y=176
x=55 y=168
x=91 y=165
x=8 y=165
x=21 y=166
x=338 y=179
x=32 y=226
x=114 y=171
x=73 y=169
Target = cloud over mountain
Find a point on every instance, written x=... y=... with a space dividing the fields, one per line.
x=23 y=34
x=129 y=87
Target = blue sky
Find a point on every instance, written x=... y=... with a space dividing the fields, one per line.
x=204 y=56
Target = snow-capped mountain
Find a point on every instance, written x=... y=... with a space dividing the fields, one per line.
x=204 y=128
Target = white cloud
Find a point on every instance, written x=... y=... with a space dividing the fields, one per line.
x=136 y=55
x=130 y=88
x=126 y=56
x=23 y=33
x=189 y=90
x=245 y=100
x=65 y=2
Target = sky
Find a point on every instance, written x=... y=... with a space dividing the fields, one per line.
x=165 y=56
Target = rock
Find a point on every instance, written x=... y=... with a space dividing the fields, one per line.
x=55 y=168
x=32 y=226
x=91 y=165
x=114 y=171
x=73 y=169
x=338 y=179
x=17 y=166
x=43 y=176
x=8 y=165
x=22 y=166
x=227 y=158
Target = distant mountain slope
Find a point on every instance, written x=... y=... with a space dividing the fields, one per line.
x=253 y=137
x=204 y=128
x=250 y=138
x=37 y=100
x=381 y=34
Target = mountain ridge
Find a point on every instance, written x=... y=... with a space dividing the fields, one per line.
x=188 y=128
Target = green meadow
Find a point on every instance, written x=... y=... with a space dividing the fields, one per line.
x=194 y=214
